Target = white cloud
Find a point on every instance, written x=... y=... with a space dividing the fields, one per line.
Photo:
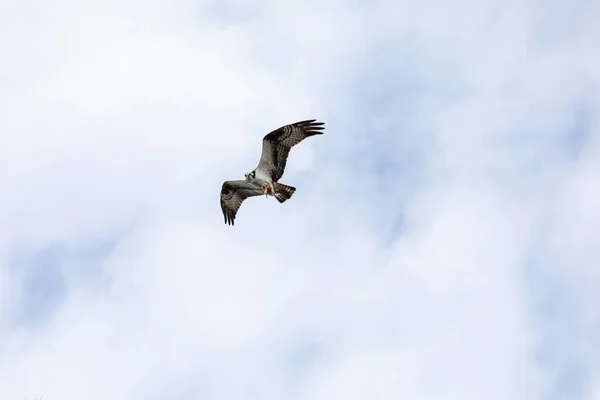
x=451 y=121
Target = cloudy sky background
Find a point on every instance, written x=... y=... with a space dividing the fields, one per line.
x=443 y=241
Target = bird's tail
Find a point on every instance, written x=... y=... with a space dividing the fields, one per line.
x=283 y=192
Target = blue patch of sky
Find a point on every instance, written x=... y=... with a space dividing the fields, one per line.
x=227 y=12
x=388 y=159
x=298 y=361
x=554 y=311
x=46 y=272
x=576 y=137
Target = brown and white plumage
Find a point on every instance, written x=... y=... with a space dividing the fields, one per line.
x=264 y=178
x=278 y=143
x=233 y=194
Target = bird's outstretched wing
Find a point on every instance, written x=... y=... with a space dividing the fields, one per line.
x=277 y=145
x=233 y=194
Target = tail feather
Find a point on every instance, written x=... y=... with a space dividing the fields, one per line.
x=283 y=192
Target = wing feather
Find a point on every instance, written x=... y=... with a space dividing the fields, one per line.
x=278 y=143
x=233 y=194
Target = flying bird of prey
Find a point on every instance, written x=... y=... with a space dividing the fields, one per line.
x=264 y=178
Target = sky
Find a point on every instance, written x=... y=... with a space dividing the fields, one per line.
x=442 y=242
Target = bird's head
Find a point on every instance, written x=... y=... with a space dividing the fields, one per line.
x=250 y=175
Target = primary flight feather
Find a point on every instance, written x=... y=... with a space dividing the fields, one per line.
x=264 y=178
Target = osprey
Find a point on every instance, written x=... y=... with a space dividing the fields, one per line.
x=264 y=178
